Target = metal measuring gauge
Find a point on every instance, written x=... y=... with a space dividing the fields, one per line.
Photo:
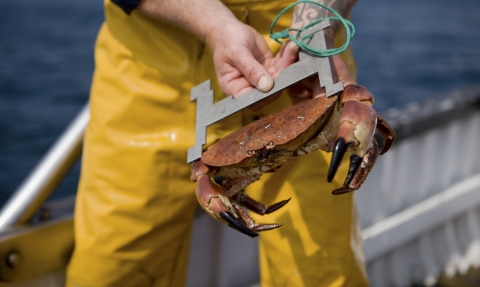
x=209 y=112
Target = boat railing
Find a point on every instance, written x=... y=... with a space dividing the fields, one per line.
x=46 y=176
x=420 y=207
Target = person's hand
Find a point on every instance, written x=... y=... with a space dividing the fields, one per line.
x=310 y=87
x=243 y=60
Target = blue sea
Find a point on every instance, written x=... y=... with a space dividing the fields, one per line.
x=406 y=51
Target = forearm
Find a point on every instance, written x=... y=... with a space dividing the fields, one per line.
x=200 y=17
x=240 y=54
x=306 y=13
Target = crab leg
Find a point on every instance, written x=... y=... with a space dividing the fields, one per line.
x=387 y=133
x=252 y=225
x=213 y=200
x=234 y=190
x=251 y=204
x=233 y=186
x=214 y=195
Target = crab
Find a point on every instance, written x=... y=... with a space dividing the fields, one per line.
x=345 y=122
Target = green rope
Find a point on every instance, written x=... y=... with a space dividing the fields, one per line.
x=285 y=34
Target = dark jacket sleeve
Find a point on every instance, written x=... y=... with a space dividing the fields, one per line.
x=127 y=5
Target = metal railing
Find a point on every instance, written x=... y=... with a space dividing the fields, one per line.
x=420 y=206
x=46 y=176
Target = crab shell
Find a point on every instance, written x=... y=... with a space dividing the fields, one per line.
x=274 y=138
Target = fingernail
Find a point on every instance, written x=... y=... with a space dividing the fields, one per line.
x=262 y=83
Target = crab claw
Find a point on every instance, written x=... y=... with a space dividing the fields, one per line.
x=354 y=180
x=236 y=224
x=357 y=126
x=339 y=149
x=252 y=225
x=214 y=194
x=255 y=206
x=213 y=200
x=355 y=163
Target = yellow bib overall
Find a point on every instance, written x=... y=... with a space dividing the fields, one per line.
x=135 y=203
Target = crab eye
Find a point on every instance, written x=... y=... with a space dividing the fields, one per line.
x=254 y=118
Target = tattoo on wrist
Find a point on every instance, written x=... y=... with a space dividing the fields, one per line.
x=306 y=13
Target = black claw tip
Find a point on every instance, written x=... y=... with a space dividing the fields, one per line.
x=234 y=223
x=342 y=190
x=276 y=206
x=339 y=149
x=355 y=163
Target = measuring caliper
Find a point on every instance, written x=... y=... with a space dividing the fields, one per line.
x=209 y=113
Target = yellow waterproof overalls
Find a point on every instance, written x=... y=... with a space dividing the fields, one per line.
x=136 y=204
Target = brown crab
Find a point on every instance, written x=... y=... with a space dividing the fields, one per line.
x=336 y=124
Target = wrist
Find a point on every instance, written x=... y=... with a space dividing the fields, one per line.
x=219 y=30
x=202 y=18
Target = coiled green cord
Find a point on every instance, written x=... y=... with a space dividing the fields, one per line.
x=285 y=34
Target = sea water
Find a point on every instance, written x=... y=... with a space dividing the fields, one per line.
x=406 y=51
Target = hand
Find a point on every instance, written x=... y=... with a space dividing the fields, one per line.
x=310 y=87
x=303 y=15
x=243 y=60
x=241 y=55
